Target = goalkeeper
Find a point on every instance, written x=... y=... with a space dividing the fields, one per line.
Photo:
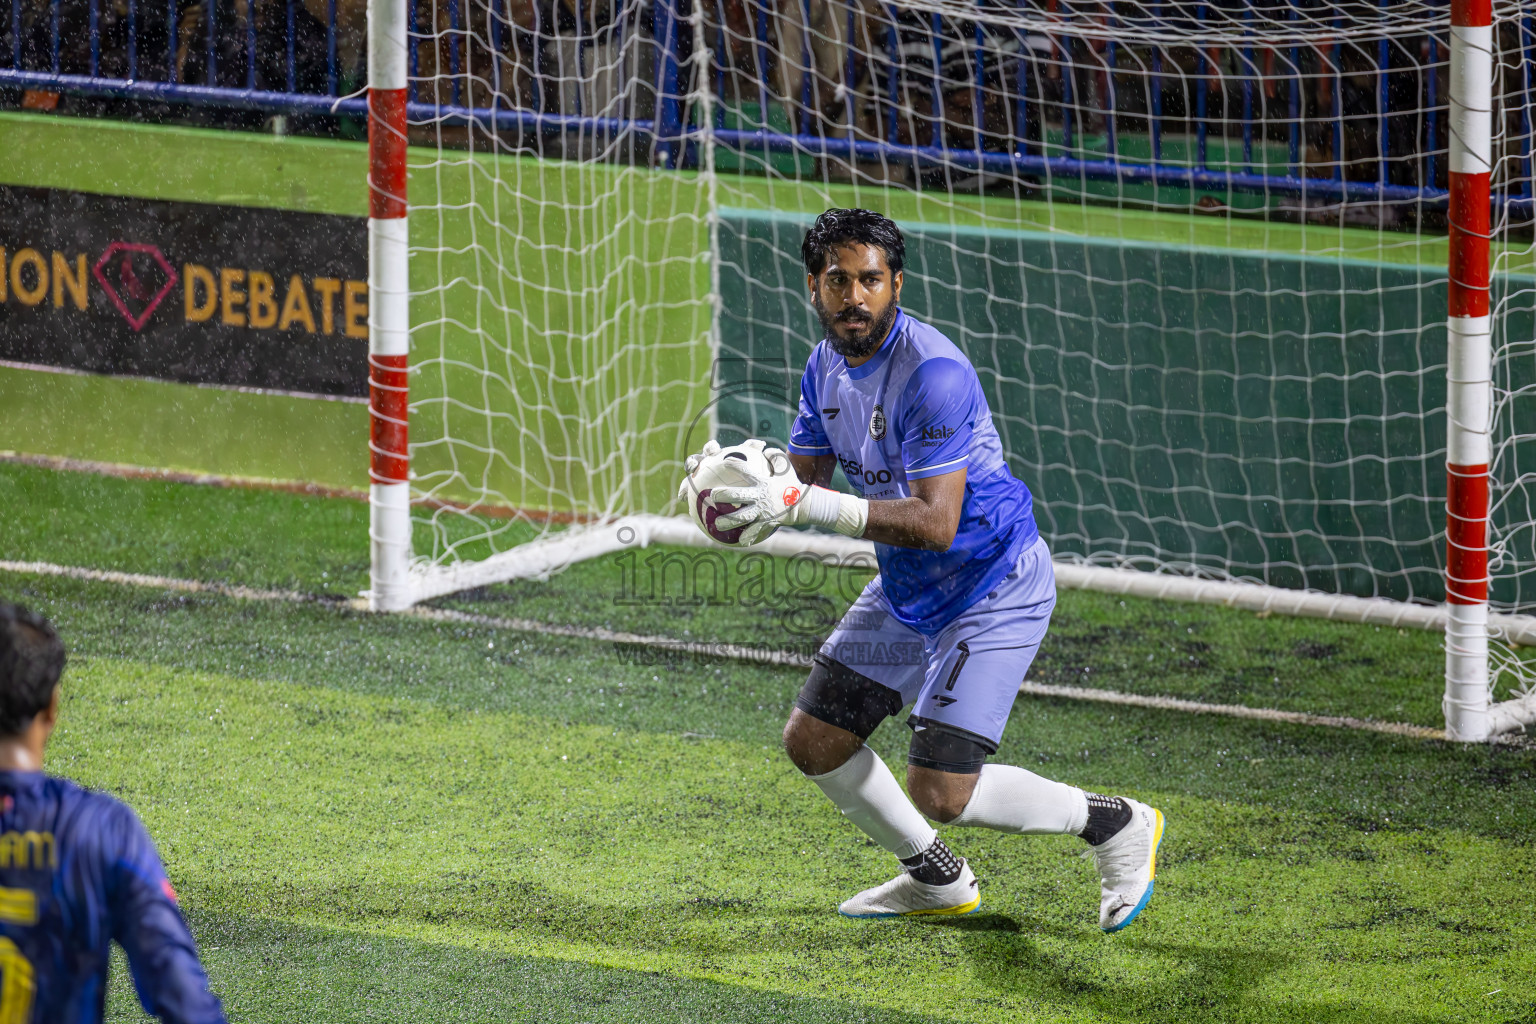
x=965 y=579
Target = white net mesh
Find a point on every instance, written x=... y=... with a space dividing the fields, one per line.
x=1512 y=484
x=1196 y=251
x=561 y=286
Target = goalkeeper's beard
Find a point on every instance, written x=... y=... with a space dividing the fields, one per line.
x=855 y=348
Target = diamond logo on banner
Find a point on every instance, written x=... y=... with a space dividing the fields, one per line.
x=136 y=277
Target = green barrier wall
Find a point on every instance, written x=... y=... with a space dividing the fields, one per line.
x=1274 y=415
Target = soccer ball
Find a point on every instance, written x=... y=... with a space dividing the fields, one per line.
x=740 y=465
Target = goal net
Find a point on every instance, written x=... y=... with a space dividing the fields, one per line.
x=1198 y=254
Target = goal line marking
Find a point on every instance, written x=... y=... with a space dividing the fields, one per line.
x=128 y=471
x=662 y=649
x=1230 y=710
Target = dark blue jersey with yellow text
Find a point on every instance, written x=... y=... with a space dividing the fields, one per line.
x=916 y=409
x=77 y=872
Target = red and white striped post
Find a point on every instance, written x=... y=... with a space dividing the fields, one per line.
x=389 y=497
x=1469 y=396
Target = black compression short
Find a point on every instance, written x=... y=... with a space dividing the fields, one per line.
x=837 y=695
x=947 y=749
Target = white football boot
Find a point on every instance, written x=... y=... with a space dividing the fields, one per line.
x=1127 y=862
x=905 y=896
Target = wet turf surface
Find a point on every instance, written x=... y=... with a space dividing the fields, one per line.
x=377 y=818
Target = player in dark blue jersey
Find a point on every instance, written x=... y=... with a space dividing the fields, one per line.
x=77 y=869
x=958 y=610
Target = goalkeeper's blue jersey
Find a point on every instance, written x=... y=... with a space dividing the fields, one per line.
x=913 y=410
x=78 y=871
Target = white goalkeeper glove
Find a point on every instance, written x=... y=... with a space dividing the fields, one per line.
x=691 y=463
x=784 y=499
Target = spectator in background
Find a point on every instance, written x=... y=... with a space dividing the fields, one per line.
x=954 y=83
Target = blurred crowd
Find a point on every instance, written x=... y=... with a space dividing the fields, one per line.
x=843 y=69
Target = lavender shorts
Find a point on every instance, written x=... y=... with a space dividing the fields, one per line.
x=964 y=679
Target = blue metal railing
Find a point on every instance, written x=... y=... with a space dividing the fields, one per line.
x=1020 y=104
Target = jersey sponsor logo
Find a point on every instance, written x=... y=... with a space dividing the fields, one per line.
x=856 y=473
x=936 y=435
x=877 y=423
x=34 y=851
x=831 y=413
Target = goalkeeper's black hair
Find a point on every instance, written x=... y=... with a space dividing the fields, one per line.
x=837 y=228
x=31 y=662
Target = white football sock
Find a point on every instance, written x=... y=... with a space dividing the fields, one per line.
x=1010 y=799
x=864 y=789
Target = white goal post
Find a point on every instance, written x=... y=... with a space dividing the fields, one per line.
x=1242 y=280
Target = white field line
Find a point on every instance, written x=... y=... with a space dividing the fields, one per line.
x=241 y=388
x=124 y=471
x=664 y=646
x=1230 y=710
x=134 y=579
x=668 y=647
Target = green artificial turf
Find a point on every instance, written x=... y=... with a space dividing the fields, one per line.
x=272 y=970
x=258 y=538
x=389 y=791
x=379 y=817
x=319 y=546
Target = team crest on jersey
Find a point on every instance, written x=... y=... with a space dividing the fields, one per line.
x=877 y=423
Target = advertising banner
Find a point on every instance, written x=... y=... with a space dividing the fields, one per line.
x=189 y=292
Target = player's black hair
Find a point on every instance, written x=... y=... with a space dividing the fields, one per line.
x=31 y=662
x=852 y=227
